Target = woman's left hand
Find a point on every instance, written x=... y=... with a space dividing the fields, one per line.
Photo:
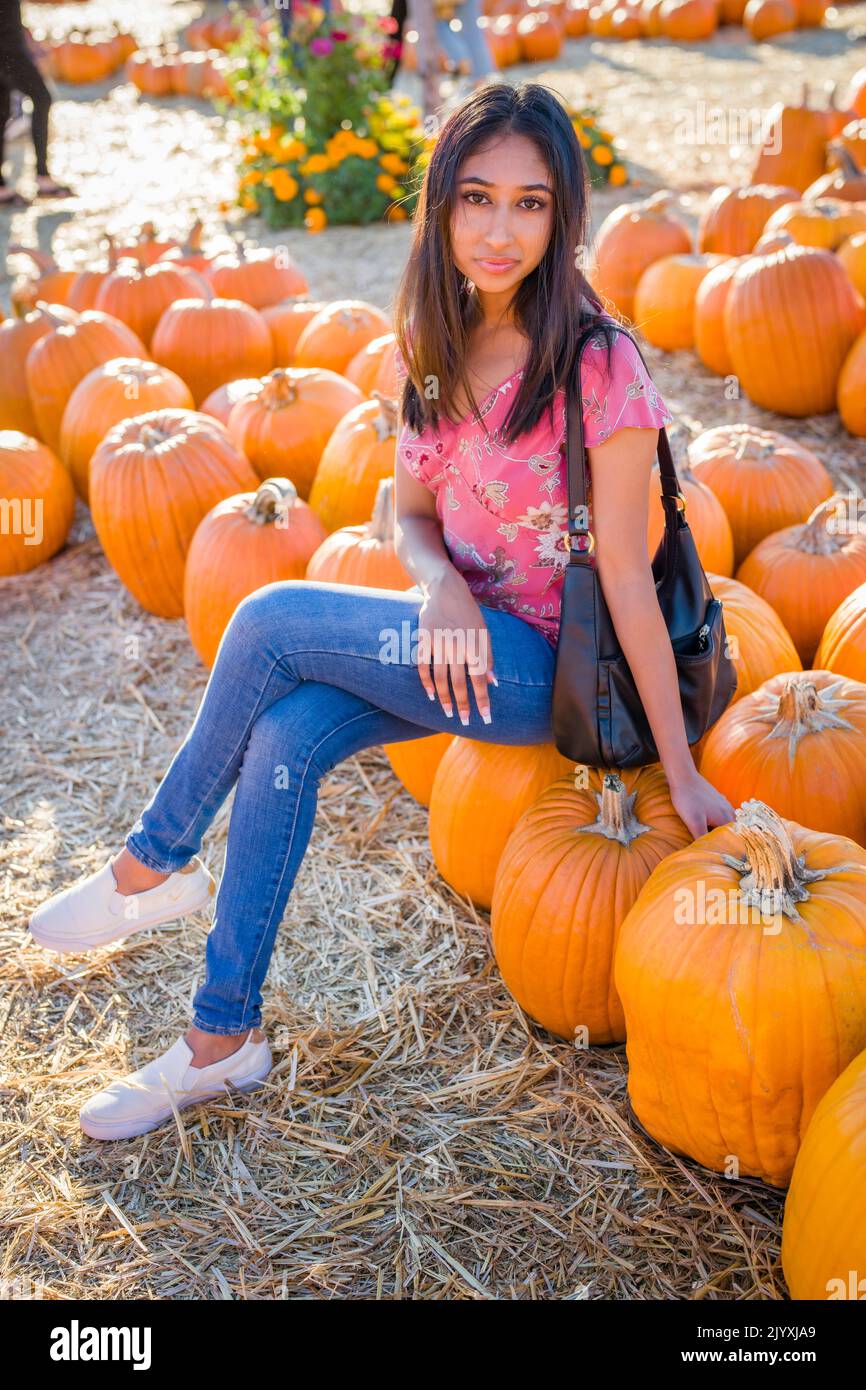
x=700 y=806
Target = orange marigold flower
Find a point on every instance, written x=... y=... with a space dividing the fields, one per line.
x=393 y=164
x=602 y=155
x=315 y=220
x=618 y=175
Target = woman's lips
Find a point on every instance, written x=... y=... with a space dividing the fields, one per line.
x=496 y=265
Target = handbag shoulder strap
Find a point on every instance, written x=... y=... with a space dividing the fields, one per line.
x=581 y=540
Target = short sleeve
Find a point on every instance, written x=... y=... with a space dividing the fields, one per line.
x=623 y=397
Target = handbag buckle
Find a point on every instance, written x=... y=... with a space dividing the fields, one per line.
x=570 y=541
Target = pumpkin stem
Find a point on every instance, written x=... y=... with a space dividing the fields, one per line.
x=381 y=526
x=50 y=311
x=273 y=501
x=803 y=709
x=279 y=389
x=616 y=818
x=385 y=423
x=840 y=157
x=816 y=538
x=773 y=878
x=754 y=444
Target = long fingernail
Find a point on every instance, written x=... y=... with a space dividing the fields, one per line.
x=449 y=711
x=464 y=718
x=431 y=694
x=493 y=678
x=486 y=716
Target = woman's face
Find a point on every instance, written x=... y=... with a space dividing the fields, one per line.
x=503 y=213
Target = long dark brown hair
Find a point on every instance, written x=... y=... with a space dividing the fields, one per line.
x=435 y=307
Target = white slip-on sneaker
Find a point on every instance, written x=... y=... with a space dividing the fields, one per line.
x=140 y=1102
x=94 y=912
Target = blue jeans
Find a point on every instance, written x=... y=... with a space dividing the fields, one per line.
x=468 y=42
x=298 y=684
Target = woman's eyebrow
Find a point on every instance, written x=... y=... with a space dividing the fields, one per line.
x=476 y=178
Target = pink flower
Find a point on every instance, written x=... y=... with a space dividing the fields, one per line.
x=388 y=24
x=339 y=35
x=321 y=47
x=391 y=50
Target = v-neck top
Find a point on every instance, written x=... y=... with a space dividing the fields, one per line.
x=504 y=508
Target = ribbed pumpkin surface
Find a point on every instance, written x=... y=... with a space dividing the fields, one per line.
x=152 y=480
x=38 y=499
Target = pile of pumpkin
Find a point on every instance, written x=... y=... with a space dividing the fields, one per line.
x=226 y=432
x=171 y=71
x=170 y=382
x=740 y=1010
x=526 y=31
x=84 y=56
x=773 y=294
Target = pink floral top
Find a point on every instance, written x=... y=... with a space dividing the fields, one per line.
x=504 y=510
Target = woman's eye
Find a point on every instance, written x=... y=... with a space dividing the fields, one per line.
x=537 y=201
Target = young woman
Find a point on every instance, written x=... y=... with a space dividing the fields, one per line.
x=491 y=304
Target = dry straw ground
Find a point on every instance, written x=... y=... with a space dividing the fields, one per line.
x=417 y=1137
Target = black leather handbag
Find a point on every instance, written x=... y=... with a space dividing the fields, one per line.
x=598 y=716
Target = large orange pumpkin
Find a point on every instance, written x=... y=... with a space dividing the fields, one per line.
x=844 y=179
x=210 y=343
x=360 y=452
x=799 y=741
x=851 y=388
x=757 y=640
x=38 y=503
x=824 y=1228
x=220 y=402
x=258 y=277
x=765 y=19
x=793 y=150
x=372 y=369
x=61 y=358
x=46 y=281
x=851 y=255
x=689 y=20
x=139 y=297
x=290 y=419
x=822 y=222
x=805 y=571
x=843 y=642
x=479 y=793
x=705 y=515
x=664 y=300
x=569 y=873
x=244 y=542
x=763 y=479
x=742 y=973
x=365 y=554
x=734 y=218
x=286 y=322
x=790 y=321
x=415 y=762
x=123 y=387
x=17 y=337
x=152 y=480
x=629 y=240
x=339 y=331
x=709 y=326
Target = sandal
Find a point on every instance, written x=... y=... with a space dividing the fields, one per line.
x=58 y=190
x=15 y=201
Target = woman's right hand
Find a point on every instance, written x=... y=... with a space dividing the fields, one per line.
x=453 y=638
